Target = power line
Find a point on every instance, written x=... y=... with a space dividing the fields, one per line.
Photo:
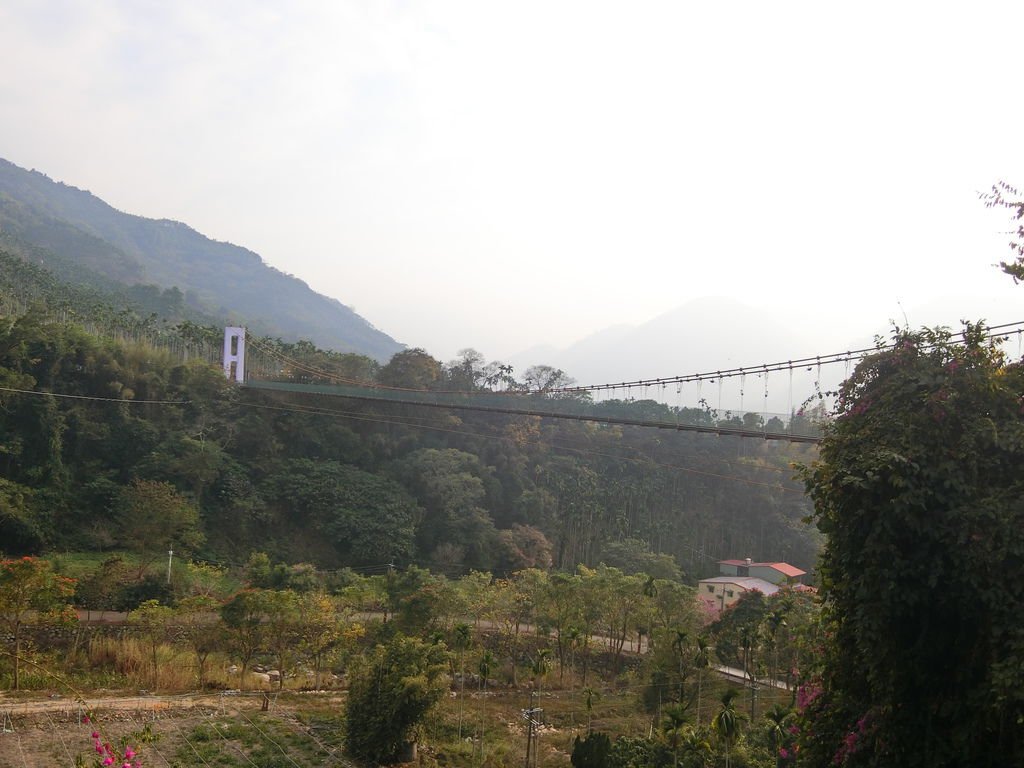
x=584 y=451
x=706 y=429
x=89 y=397
x=265 y=736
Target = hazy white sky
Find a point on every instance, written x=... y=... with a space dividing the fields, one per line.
x=501 y=175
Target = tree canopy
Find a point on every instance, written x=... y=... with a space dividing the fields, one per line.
x=389 y=694
x=920 y=492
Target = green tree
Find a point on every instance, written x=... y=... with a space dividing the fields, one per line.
x=485 y=667
x=510 y=607
x=30 y=594
x=390 y=693
x=153 y=623
x=243 y=616
x=589 y=697
x=539 y=666
x=592 y=751
x=778 y=718
x=367 y=518
x=101 y=589
x=1002 y=195
x=919 y=491
x=410 y=369
x=319 y=628
x=451 y=487
x=281 y=629
x=467 y=372
x=701 y=661
x=153 y=518
x=200 y=631
x=462 y=636
x=727 y=721
x=19 y=525
x=694 y=748
x=672 y=728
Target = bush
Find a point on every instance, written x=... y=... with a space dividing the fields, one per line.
x=390 y=693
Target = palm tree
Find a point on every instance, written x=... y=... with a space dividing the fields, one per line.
x=485 y=667
x=727 y=722
x=679 y=648
x=540 y=665
x=701 y=659
x=775 y=621
x=672 y=726
x=694 y=747
x=650 y=591
x=777 y=717
x=573 y=635
x=462 y=637
x=589 y=694
x=748 y=639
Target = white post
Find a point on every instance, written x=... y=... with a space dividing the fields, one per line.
x=170 y=556
x=234 y=353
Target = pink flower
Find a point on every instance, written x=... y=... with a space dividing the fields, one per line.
x=129 y=753
x=108 y=761
x=95 y=734
x=783 y=753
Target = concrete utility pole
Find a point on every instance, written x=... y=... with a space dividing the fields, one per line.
x=170 y=556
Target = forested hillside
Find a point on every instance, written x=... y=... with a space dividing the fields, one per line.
x=148 y=450
x=85 y=241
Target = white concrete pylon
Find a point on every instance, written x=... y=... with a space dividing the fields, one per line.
x=234 y=353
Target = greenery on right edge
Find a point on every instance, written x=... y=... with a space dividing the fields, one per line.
x=920 y=493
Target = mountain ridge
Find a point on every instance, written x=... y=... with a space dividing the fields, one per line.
x=217 y=277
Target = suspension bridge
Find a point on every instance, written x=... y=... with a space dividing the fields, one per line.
x=256 y=364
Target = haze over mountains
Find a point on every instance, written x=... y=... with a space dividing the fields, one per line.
x=717 y=333
x=81 y=238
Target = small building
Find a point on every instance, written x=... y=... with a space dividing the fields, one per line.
x=719 y=592
x=741 y=576
x=776 y=573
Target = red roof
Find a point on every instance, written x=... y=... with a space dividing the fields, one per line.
x=784 y=568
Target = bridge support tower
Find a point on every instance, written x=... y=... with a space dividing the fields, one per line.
x=234 y=353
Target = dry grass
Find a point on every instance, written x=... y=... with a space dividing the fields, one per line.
x=127 y=662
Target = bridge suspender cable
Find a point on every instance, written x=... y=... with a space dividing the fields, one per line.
x=817 y=361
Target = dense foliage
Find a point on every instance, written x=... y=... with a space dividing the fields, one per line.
x=390 y=691
x=587 y=642
x=362 y=484
x=919 y=491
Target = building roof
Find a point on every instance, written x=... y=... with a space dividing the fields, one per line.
x=784 y=568
x=748 y=583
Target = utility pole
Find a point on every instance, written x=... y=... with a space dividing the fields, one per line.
x=532 y=717
x=170 y=556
